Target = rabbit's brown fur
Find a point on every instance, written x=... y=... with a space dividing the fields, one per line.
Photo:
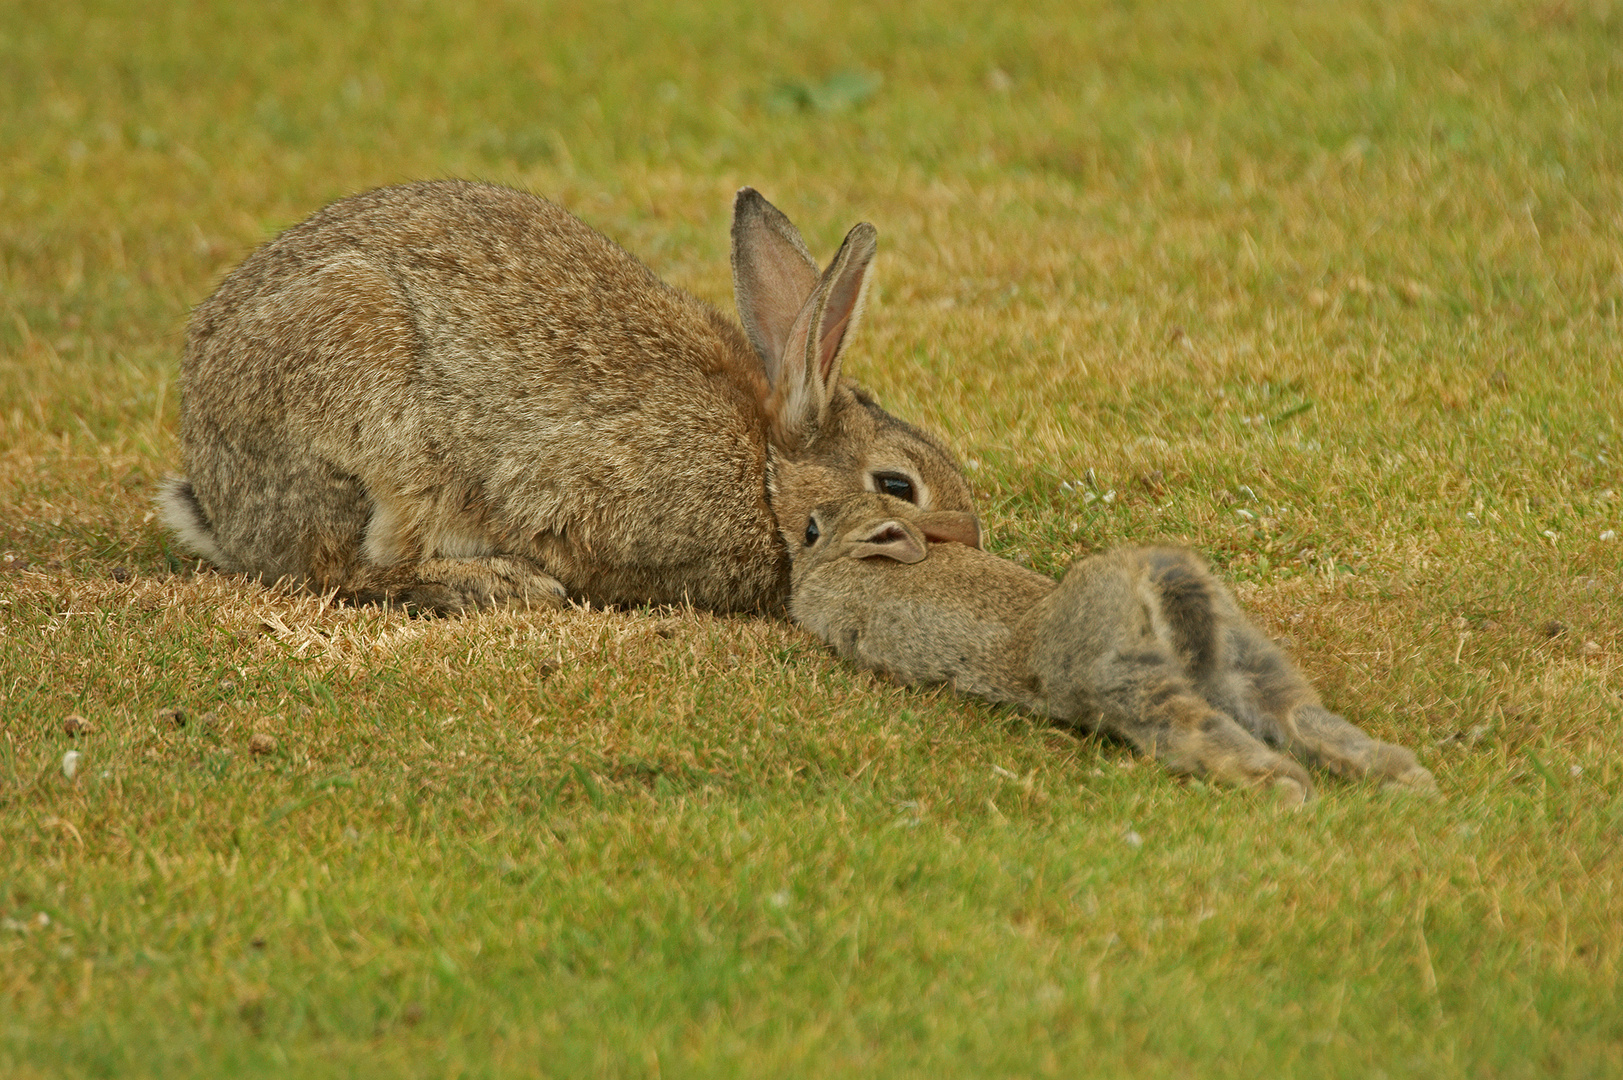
x=458 y=395
x=1143 y=643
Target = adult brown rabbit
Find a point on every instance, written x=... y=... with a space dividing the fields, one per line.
x=1143 y=643
x=455 y=395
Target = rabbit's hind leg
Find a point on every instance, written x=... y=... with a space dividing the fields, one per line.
x=1267 y=689
x=1099 y=659
x=1343 y=748
x=1143 y=697
x=277 y=517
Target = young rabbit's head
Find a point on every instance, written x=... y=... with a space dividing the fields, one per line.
x=828 y=437
x=876 y=527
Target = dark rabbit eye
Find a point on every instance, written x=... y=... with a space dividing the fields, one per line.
x=895 y=485
x=812 y=532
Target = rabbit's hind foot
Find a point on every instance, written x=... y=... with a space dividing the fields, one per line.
x=1223 y=750
x=1322 y=736
x=1289 y=792
x=1191 y=737
x=452 y=586
x=1399 y=771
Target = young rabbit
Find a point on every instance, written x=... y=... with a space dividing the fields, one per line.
x=455 y=395
x=1143 y=643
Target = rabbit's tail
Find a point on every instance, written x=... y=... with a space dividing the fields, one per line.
x=1189 y=608
x=180 y=510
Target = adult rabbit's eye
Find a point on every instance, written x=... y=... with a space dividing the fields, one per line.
x=895 y=485
x=812 y=531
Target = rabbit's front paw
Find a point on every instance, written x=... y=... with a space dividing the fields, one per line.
x=488 y=582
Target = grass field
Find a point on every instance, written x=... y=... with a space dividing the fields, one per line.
x=1329 y=291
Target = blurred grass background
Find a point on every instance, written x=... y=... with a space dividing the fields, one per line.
x=1329 y=291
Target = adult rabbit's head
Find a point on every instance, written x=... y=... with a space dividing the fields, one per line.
x=827 y=437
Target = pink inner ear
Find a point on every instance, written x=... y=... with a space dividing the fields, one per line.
x=889 y=541
x=829 y=346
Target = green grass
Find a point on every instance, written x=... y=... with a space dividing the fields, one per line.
x=1329 y=291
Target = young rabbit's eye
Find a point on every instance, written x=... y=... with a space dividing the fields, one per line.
x=812 y=532
x=895 y=485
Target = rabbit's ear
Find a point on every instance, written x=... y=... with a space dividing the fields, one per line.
x=797 y=320
x=950 y=526
x=888 y=540
x=810 y=368
x=773 y=276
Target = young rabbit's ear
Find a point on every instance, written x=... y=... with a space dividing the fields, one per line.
x=888 y=540
x=950 y=526
x=797 y=320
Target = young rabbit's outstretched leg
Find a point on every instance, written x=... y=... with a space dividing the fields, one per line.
x=1257 y=684
x=1343 y=748
x=1103 y=656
